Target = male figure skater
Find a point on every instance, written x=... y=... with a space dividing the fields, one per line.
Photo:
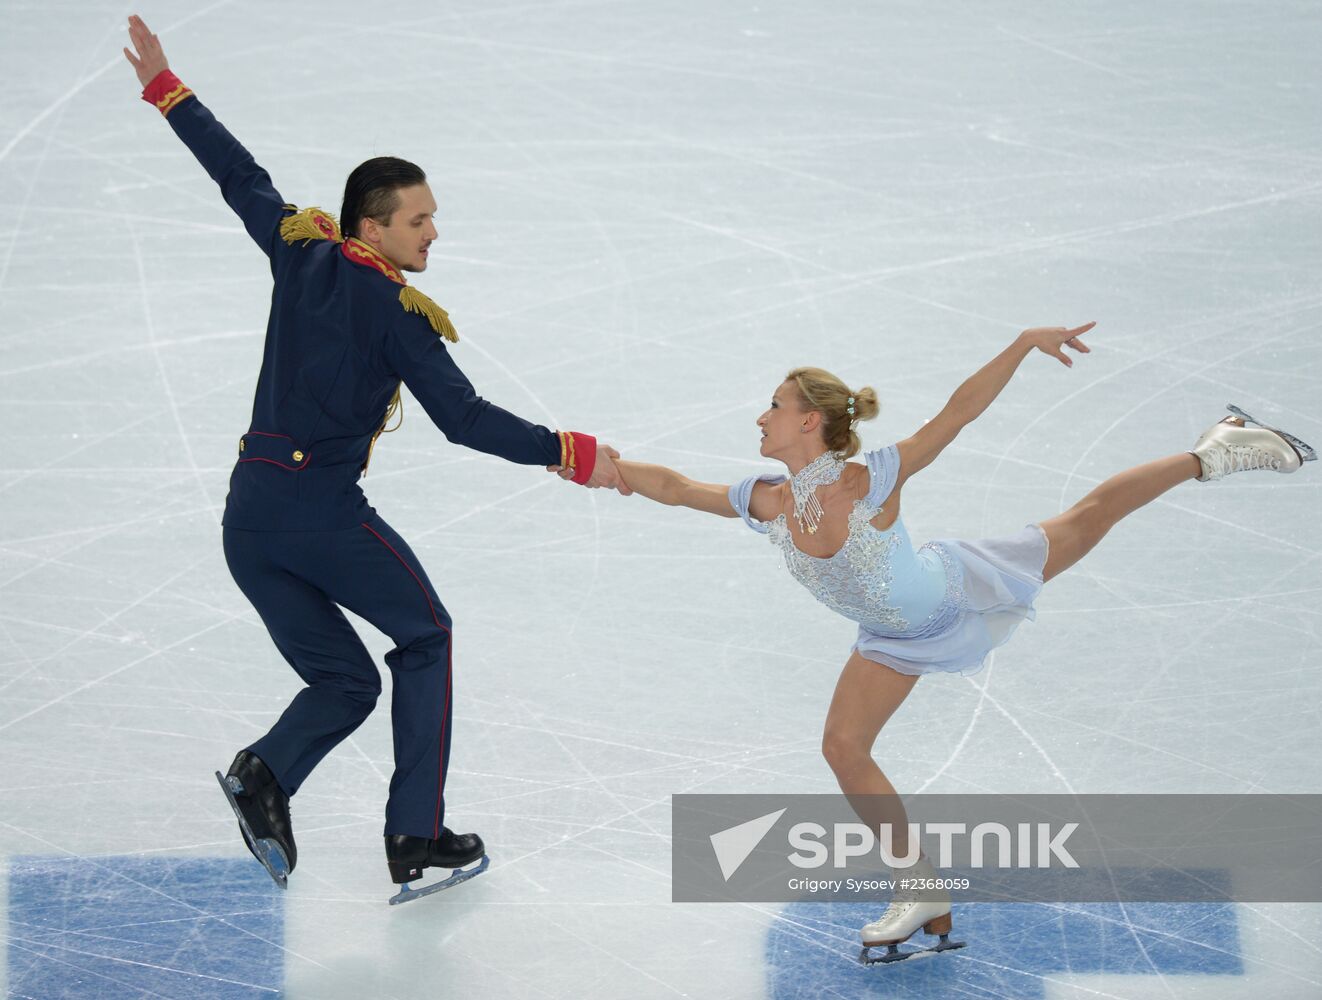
x=300 y=538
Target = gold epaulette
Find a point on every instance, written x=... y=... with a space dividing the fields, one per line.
x=309 y=224
x=415 y=301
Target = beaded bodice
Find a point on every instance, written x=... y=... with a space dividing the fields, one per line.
x=876 y=578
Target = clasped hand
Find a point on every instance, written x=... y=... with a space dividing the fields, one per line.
x=605 y=473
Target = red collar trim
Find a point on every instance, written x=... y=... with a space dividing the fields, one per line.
x=362 y=253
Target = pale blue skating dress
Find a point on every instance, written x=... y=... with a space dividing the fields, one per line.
x=943 y=607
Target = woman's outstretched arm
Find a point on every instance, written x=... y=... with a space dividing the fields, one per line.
x=656 y=482
x=978 y=391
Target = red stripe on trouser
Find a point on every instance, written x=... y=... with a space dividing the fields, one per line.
x=449 y=664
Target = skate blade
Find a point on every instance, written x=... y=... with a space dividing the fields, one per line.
x=407 y=894
x=265 y=850
x=1306 y=451
x=893 y=953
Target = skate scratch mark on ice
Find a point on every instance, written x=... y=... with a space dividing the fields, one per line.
x=81 y=971
x=1252 y=598
x=354 y=745
x=97 y=440
x=1133 y=931
x=697 y=422
x=865 y=279
x=730 y=234
x=113 y=673
x=730 y=762
x=968 y=730
x=178 y=901
x=584 y=592
x=1069 y=55
x=154 y=183
x=72 y=92
x=1306 y=376
x=641 y=747
x=1283 y=542
x=120 y=350
x=567 y=927
x=488 y=45
x=27 y=660
x=1111 y=734
x=590 y=776
x=108 y=619
x=249 y=613
x=34 y=173
x=150 y=327
x=79 y=636
x=120 y=960
x=1165 y=501
x=1157 y=931
x=542 y=483
x=97 y=532
x=126 y=924
x=1285 y=928
x=1178 y=348
x=609 y=821
x=1254 y=347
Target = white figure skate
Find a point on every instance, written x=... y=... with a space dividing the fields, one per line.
x=911 y=908
x=1231 y=446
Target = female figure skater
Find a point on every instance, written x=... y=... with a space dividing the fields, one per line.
x=941 y=608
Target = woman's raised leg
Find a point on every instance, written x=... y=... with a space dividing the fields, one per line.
x=1238 y=443
x=1072 y=535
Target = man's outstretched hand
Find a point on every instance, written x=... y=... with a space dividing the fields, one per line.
x=604 y=473
x=150 y=60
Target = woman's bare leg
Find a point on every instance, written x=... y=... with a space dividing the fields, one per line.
x=866 y=696
x=1072 y=535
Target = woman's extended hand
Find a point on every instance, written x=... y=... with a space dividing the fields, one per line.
x=1050 y=339
x=609 y=472
x=150 y=60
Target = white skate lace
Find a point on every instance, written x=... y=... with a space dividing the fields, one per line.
x=902 y=900
x=1228 y=458
x=895 y=911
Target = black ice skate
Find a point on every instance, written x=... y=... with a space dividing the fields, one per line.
x=408 y=856
x=262 y=809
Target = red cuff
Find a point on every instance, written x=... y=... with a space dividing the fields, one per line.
x=165 y=92
x=584 y=456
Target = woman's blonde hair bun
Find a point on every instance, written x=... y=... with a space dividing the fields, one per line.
x=823 y=392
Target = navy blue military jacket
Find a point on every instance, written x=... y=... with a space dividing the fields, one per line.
x=338 y=343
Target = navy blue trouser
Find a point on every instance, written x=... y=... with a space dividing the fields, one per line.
x=297 y=581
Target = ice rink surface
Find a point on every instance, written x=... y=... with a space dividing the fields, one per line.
x=648 y=213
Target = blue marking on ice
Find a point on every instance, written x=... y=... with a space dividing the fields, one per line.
x=124 y=927
x=1014 y=949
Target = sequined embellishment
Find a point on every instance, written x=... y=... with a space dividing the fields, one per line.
x=856 y=581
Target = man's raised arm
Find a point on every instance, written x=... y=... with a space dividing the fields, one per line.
x=246 y=187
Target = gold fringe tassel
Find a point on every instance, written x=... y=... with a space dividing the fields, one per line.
x=414 y=301
x=396 y=407
x=309 y=224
